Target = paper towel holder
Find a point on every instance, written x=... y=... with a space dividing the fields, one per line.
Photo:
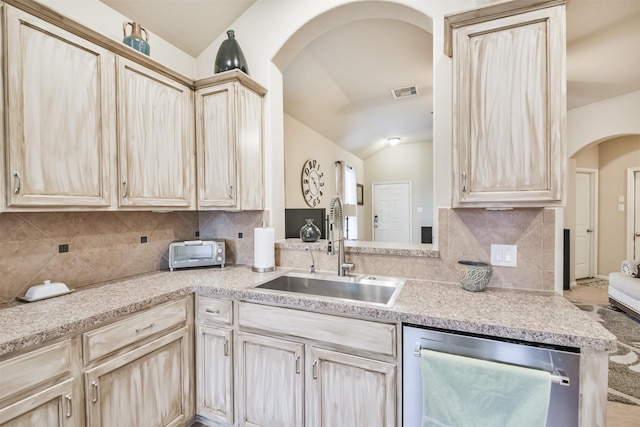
x=262 y=268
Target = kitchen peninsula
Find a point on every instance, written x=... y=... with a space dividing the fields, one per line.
x=536 y=317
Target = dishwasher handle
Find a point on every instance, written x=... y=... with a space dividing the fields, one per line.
x=558 y=376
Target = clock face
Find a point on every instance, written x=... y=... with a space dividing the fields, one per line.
x=312 y=183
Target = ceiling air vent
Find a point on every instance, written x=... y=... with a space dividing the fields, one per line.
x=404 y=92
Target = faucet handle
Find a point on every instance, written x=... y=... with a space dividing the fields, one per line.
x=347 y=266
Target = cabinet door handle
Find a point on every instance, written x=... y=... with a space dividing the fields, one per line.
x=298 y=364
x=464 y=182
x=208 y=310
x=69 y=406
x=125 y=189
x=231 y=192
x=226 y=347
x=315 y=369
x=149 y=326
x=18 y=183
x=94 y=389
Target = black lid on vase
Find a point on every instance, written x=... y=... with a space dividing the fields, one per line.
x=230 y=56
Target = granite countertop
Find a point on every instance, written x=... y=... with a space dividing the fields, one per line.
x=524 y=315
x=364 y=247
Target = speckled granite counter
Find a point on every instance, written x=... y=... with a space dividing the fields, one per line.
x=505 y=313
x=371 y=248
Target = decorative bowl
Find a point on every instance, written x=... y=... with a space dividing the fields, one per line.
x=474 y=275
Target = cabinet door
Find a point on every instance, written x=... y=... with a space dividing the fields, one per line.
x=216 y=146
x=510 y=111
x=156 y=139
x=50 y=408
x=351 y=391
x=249 y=148
x=214 y=366
x=61 y=116
x=270 y=380
x=147 y=386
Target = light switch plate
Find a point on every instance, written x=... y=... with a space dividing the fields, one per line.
x=504 y=255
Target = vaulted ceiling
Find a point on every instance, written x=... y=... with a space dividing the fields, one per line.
x=351 y=102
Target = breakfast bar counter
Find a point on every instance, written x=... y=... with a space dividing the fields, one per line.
x=538 y=317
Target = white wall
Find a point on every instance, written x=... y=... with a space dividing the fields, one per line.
x=266 y=27
x=603 y=120
x=413 y=162
x=104 y=20
x=301 y=144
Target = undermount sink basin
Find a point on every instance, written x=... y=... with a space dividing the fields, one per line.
x=365 y=288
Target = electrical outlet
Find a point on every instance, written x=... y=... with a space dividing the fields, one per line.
x=504 y=255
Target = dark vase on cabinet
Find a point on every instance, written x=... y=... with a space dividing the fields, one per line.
x=230 y=56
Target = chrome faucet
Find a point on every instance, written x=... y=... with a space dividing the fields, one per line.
x=313 y=261
x=342 y=266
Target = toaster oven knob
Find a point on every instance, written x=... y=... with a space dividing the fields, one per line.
x=219 y=258
x=219 y=250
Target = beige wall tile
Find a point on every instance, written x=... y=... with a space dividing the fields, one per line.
x=102 y=246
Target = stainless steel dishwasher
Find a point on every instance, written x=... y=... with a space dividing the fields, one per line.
x=563 y=364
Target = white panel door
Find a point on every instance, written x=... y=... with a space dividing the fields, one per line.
x=392 y=212
x=584 y=226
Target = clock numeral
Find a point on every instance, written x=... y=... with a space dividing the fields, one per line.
x=306 y=171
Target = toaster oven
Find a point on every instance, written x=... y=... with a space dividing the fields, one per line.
x=196 y=253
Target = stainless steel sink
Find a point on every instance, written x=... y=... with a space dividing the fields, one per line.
x=365 y=288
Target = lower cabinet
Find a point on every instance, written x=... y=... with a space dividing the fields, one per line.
x=139 y=370
x=142 y=387
x=38 y=388
x=214 y=363
x=51 y=407
x=271 y=379
x=348 y=390
x=298 y=368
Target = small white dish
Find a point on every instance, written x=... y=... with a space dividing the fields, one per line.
x=45 y=290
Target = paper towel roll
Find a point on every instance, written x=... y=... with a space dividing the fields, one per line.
x=263 y=249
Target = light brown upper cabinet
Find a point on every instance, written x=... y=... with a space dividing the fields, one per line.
x=155 y=155
x=509 y=105
x=60 y=116
x=229 y=135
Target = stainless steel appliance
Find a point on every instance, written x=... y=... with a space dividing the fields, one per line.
x=196 y=253
x=563 y=364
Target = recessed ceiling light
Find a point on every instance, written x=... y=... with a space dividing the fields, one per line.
x=393 y=141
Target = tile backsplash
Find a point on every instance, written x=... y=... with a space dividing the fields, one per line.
x=101 y=246
x=464 y=234
x=108 y=245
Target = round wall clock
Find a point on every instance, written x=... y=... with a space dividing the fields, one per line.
x=312 y=183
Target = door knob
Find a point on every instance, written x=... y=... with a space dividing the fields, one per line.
x=589 y=230
x=637 y=234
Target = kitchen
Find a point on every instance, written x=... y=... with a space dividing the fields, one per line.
x=128 y=228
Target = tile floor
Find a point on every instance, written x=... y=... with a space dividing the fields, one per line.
x=618 y=414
